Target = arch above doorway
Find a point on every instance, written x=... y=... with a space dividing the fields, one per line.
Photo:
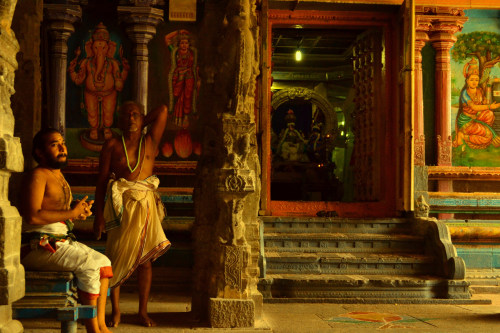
x=305 y=94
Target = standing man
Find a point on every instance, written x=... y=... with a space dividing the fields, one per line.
x=48 y=244
x=133 y=212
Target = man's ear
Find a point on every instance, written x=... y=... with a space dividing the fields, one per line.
x=39 y=153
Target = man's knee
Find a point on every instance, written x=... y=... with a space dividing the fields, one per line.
x=146 y=266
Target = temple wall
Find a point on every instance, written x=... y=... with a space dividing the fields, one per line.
x=11 y=160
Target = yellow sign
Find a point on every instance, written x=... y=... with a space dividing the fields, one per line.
x=182 y=10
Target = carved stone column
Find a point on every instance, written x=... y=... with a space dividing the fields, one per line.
x=232 y=277
x=226 y=237
x=141 y=25
x=60 y=20
x=423 y=24
x=11 y=160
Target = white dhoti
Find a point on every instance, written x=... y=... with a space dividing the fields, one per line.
x=88 y=265
x=133 y=213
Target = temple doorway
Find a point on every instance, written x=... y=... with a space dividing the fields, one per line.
x=333 y=114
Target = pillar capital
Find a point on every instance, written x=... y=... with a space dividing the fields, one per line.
x=140 y=24
x=60 y=24
x=444 y=28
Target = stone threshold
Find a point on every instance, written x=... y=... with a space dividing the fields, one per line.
x=394 y=301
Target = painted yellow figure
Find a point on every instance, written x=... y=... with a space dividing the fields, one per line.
x=102 y=78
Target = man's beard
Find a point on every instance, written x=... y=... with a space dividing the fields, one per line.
x=56 y=164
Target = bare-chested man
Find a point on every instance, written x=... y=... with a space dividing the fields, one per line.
x=48 y=244
x=133 y=211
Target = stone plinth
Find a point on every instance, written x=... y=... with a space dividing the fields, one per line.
x=225 y=312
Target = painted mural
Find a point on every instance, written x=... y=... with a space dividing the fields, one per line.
x=476 y=91
x=176 y=82
x=98 y=73
x=183 y=88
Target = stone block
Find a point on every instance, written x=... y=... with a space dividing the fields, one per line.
x=231 y=313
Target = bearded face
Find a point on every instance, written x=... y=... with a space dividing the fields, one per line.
x=55 y=154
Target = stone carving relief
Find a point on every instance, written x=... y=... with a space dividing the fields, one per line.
x=421 y=207
x=420 y=150
x=444 y=150
x=233 y=264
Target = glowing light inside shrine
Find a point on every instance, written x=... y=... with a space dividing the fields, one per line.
x=298 y=55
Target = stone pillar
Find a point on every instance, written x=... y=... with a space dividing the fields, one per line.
x=141 y=25
x=442 y=39
x=226 y=236
x=60 y=20
x=423 y=24
x=11 y=160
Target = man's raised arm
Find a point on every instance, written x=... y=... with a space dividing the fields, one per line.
x=158 y=120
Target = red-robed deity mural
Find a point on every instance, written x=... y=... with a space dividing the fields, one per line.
x=183 y=87
x=183 y=79
x=100 y=74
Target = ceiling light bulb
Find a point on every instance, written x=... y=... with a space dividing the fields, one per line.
x=298 y=55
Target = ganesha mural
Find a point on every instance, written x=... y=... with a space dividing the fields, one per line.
x=102 y=78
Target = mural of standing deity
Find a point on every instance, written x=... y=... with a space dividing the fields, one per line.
x=102 y=79
x=475 y=116
x=184 y=81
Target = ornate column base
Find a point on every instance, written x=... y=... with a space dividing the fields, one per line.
x=11 y=326
x=231 y=313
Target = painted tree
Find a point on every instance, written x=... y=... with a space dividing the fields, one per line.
x=482 y=45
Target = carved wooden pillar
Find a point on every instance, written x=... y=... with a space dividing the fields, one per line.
x=60 y=20
x=11 y=160
x=442 y=39
x=141 y=25
x=423 y=24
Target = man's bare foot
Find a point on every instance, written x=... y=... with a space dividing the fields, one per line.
x=104 y=329
x=114 y=321
x=146 y=321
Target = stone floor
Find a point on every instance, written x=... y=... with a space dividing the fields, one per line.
x=172 y=314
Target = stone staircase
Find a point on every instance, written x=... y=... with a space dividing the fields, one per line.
x=367 y=260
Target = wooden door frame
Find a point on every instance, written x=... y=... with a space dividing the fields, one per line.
x=386 y=206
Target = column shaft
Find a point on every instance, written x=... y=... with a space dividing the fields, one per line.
x=61 y=19
x=422 y=27
x=141 y=27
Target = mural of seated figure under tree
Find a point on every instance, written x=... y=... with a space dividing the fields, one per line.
x=474 y=117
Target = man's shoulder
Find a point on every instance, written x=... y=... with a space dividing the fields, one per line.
x=39 y=170
x=38 y=173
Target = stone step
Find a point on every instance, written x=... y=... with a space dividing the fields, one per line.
x=484 y=281
x=274 y=224
x=348 y=263
x=313 y=286
x=342 y=242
